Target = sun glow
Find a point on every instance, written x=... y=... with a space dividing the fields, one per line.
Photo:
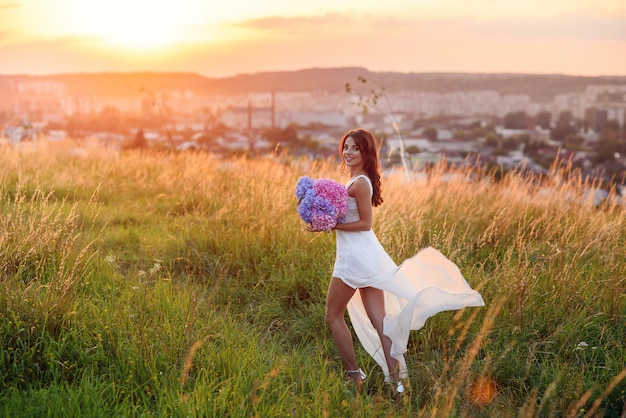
x=233 y=36
x=136 y=24
x=138 y=38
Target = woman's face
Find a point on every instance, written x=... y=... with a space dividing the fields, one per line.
x=352 y=153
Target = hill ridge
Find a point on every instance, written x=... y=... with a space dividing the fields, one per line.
x=539 y=87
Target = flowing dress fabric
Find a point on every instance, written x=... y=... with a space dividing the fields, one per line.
x=420 y=287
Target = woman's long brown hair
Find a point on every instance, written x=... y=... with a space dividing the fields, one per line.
x=366 y=142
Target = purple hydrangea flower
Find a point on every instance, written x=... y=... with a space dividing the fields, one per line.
x=304 y=183
x=322 y=203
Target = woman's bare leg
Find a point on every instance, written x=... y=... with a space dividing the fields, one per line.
x=337 y=299
x=374 y=302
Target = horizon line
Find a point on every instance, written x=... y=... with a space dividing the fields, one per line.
x=196 y=73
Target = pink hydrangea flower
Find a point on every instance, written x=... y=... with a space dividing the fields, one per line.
x=322 y=203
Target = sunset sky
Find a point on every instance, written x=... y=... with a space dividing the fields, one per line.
x=229 y=37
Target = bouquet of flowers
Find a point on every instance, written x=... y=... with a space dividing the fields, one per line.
x=322 y=203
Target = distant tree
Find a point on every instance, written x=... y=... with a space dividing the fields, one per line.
x=310 y=144
x=219 y=130
x=509 y=144
x=462 y=135
x=417 y=124
x=479 y=131
x=431 y=133
x=544 y=119
x=205 y=140
x=110 y=119
x=610 y=143
x=523 y=139
x=573 y=141
x=287 y=135
x=144 y=122
x=531 y=147
x=565 y=126
x=139 y=142
x=515 y=120
x=493 y=140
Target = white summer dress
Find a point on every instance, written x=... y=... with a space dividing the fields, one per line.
x=420 y=287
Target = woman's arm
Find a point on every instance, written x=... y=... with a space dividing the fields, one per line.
x=360 y=190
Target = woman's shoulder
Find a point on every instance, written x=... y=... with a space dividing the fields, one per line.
x=363 y=176
x=363 y=179
x=355 y=179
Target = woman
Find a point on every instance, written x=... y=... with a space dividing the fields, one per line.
x=384 y=301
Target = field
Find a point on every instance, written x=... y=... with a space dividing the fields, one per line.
x=176 y=285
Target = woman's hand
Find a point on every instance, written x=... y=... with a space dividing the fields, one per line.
x=311 y=229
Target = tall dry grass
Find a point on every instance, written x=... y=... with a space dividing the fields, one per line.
x=186 y=285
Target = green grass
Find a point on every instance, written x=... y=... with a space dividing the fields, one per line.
x=183 y=285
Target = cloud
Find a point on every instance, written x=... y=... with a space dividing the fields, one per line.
x=572 y=27
x=5 y=6
x=5 y=35
x=336 y=27
x=296 y=23
x=51 y=56
x=336 y=21
x=588 y=28
x=377 y=42
x=419 y=44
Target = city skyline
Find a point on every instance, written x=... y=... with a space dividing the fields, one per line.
x=585 y=37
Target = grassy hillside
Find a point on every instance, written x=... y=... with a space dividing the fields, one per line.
x=182 y=285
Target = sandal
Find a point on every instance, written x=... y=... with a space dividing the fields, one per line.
x=357 y=376
x=399 y=388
